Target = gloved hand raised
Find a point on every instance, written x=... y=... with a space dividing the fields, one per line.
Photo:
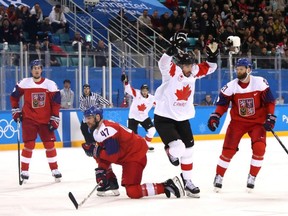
x=53 y=123
x=214 y=121
x=212 y=51
x=178 y=43
x=270 y=122
x=124 y=79
x=16 y=114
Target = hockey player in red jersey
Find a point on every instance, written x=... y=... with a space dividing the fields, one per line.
x=174 y=104
x=252 y=108
x=39 y=115
x=120 y=145
x=141 y=105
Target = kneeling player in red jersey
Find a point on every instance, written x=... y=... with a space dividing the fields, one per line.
x=120 y=145
x=252 y=112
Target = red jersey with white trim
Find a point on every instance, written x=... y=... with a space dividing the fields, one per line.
x=175 y=96
x=140 y=106
x=251 y=102
x=129 y=146
x=41 y=100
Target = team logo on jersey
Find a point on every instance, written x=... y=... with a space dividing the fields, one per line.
x=184 y=93
x=38 y=99
x=246 y=107
x=141 y=107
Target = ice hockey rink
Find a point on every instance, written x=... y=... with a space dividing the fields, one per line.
x=42 y=196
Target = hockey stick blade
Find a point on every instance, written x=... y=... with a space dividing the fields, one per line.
x=72 y=198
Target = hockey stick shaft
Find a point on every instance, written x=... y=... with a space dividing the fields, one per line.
x=18 y=150
x=280 y=142
x=76 y=204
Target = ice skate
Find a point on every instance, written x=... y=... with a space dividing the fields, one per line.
x=111 y=189
x=24 y=176
x=250 y=183
x=57 y=175
x=190 y=188
x=173 y=160
x=217 y=183
x=173 y=186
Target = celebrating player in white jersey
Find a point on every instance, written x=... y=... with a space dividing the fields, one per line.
x=252 y=108
x=139 y=109
x=39 y=115
x=174 y=104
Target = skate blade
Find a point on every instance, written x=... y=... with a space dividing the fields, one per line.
x=189 y=194
x=151 y=148
x=57 y=180
x=109 y=193
x=179 y=185
x=249 y=190
x=24 y=181
x=217 y=190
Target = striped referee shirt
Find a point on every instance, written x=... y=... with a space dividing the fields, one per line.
x=93 y=99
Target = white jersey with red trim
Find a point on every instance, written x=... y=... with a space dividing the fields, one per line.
x=175 y=96
x=140 y=106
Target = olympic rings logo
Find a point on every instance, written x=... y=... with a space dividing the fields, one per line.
x=7 y=129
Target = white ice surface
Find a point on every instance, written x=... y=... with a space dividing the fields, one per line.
x=41 y=196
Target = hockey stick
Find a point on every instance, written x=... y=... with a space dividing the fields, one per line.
x=76 y=204
x=18 y=148
x=278 y=139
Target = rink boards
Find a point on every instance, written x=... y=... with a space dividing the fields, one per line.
x=69 y=135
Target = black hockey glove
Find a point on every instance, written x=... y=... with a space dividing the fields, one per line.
x=88 y=148
x=101 y=178
x=212 y=51
x=178 y=42
x=270 y=122
x=124 y=79
x=214 y=121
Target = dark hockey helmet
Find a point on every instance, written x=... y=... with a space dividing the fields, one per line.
x=144 y=86
x=93 y=111
x=36 y=62
x=244 y=62
x=184 y=59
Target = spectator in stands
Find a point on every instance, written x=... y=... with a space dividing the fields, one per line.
x=207 y=101
x=145 y=24
x=11 y=13
x=67 y=95
x=168 y=31
x=175 y=18
x=2 y=12
x=58 y=20
x=45 y=28
x=156 y=22
x=200 y=43
x=193 y=25
x=36 y=52
x=23 y=12
x=280 y=101
x=78 y=39
x=264 y=60
x=6 y=31
x=101 y=54
x=18 y=29
x=37 y=11
x=206 y=25
x=285 y=59
x=162 y=44
x=164 y=19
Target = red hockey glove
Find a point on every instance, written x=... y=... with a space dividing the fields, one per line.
x=270 y=122
x=214 y=121
x=53 y=123
x=101 y=177
x=16 y=114
x=88 y=148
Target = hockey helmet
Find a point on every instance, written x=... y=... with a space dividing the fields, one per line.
x=93 y=111
x=184 y=59
x=244 y=62
x=36 y=62
x=145 y=86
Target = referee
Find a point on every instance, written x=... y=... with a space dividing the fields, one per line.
x=87 y=100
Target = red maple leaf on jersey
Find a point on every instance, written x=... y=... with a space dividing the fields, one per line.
x=141 y=107
x=184 y=93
